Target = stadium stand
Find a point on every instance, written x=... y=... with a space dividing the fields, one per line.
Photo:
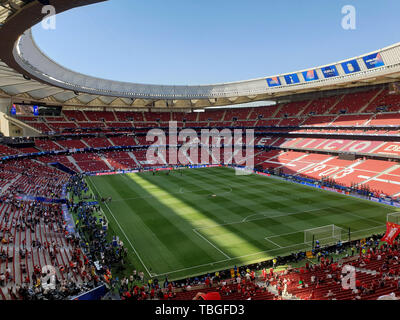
x=303 y=139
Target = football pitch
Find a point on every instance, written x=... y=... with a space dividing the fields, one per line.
x=210 y=219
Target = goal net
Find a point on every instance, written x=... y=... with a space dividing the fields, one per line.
x=326 y=235
x=393 y=217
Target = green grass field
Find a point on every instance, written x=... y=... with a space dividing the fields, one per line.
x=210 y=219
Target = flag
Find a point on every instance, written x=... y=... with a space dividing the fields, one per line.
x=392 y=231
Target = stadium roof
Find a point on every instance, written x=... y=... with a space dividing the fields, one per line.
x=27 y=73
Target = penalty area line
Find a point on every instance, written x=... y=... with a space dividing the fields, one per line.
x=273 y=242
x=205 y=239
x=300 y=246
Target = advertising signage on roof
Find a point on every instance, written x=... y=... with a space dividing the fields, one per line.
x=310 y=75
x=350 y=66
x=330 y=71
x=274 y=82
x=292 y=78
x=373 y=60
x=13 y=110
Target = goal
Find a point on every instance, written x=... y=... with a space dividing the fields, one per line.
x=326 y=235
x=393 y=217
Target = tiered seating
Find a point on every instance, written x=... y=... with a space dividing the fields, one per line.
x=124 y=141
x=90 y=162
x=362 y=171
x=345 y=145
x=354 y=102
x=54 y=119
x=34 y=178
x=291 y=122
x=91 y=124
x=320 y=106
x=59 y=126
x=61 y=159
x=320 y=121
x=283 y=159
x=47 y=145
x=244 y=123
x=213 y=115
x=97 y=116
x=41 y=126
x=317 y=112
x=391 y=119
x=351 y=120
x=262 y=112
x=27 y=118
x=142 y=158
x=302 y=164
x=385 y=185
x=268 y=123
x=35 y=238
x=7 y=151
x=239 y=114
x=129 y=116
x=230 y=291
x=375 y=277
x=178 y=116
x=97 y=142
x=120 y=160
x=72 y=144
x=75 y=115
x=119 y=124
x=142 y=141
x=292 y=109
x=28 y=150
x=191 y=117
x=389 y=102
x=147 y=125
x=157 y=116
x=378 y=175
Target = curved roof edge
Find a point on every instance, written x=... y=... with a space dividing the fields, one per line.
x=24 y=56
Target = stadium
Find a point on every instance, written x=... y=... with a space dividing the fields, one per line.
x=283 y=187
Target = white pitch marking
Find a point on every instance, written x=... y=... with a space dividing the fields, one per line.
x=251 y=254
x=273 y=242
x=201 y=236
x=137 y=254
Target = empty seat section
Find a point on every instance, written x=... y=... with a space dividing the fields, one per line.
x=351 y=120
x=291 y=122
x=320 y=106
x=291 y=109
x=75 y=115
x=100 y=116
x=385 y=102
x=120 y=160
x=72 y=144
x=320 y=121
x=123 y=141
x=354 y=102
x=98 y=142
x=391 y=119
x=262 y=112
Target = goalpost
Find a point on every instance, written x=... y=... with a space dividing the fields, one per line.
x=329 y=234
x=393 y=217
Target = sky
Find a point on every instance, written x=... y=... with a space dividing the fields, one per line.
x=189 y=42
